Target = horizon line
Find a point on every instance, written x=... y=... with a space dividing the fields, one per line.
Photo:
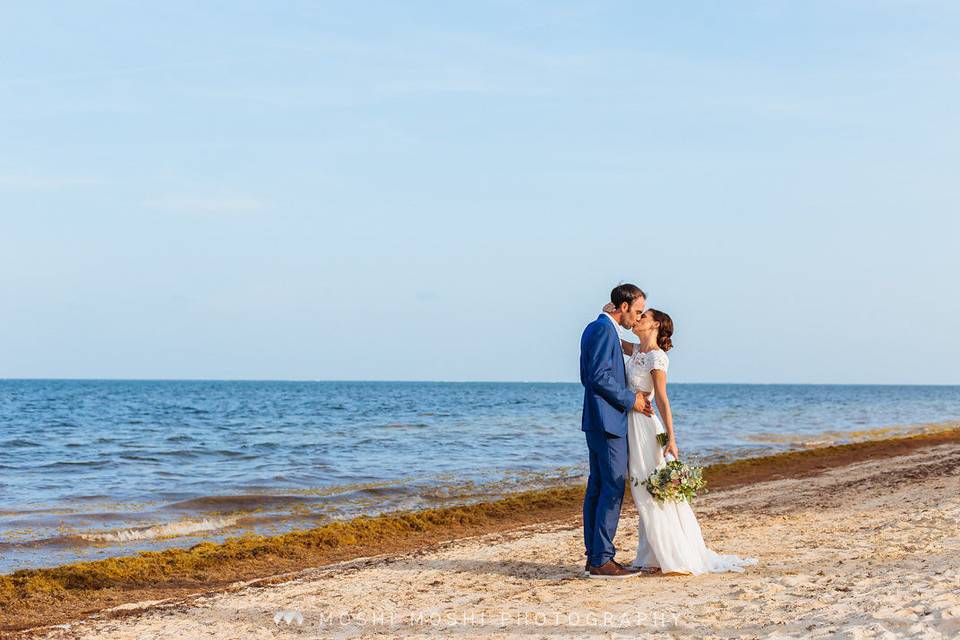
x=360 y=380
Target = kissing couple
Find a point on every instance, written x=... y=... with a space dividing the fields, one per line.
x=619 y=381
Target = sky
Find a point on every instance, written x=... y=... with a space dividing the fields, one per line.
x=448 y=191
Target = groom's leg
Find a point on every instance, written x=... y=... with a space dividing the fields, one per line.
x=612 y=464
x=592 y=494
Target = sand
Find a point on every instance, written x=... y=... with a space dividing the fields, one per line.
x=866 y=550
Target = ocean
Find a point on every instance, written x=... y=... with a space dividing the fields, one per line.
x=92 y=469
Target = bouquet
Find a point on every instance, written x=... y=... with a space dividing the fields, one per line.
x=675 y=482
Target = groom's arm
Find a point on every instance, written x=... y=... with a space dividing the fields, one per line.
x=600 y=371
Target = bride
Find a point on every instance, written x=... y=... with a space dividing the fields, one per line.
x=670 y=537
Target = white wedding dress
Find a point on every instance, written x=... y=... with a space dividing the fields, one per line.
x=670 y=536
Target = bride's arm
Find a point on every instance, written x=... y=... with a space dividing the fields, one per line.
x=663 y=407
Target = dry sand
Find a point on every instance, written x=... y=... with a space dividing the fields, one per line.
x=866 y=550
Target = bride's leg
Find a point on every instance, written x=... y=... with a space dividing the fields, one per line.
x=645 y=557
x=642 y=461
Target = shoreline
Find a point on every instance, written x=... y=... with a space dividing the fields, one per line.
x=199 y=517
x=30 y=598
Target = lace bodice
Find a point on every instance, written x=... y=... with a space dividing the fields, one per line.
x=639 y=366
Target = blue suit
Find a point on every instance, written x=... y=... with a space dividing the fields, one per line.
x=606 y=402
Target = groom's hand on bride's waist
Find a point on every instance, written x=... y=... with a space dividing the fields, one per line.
x=643 y=405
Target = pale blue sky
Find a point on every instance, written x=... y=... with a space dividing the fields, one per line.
x=448 y=191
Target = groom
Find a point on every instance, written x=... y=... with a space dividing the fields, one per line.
x=606 y=402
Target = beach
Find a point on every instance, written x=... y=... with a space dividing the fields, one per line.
x=858 y=541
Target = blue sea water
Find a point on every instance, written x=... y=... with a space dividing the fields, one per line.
x=90 y=469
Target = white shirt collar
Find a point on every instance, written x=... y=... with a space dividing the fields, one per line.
x=616 y=325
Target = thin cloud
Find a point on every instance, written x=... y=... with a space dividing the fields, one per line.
x=23 y=181
x=120 y=72
x=208 y=205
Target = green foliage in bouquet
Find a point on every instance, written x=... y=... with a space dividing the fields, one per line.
x=675 y=482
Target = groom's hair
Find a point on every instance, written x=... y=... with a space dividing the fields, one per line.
x=625 y=293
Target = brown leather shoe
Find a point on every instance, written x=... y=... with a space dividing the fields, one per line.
x=647 y=571
x=612 y=570
x=586 y=569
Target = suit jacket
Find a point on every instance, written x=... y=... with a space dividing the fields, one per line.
x=606 y=397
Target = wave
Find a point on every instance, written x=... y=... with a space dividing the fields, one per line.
x=240 y=455
x=244 y=502
x=181 y=438
x=19 y=442
x=137 y=458
x=170 y=530
x=70 y=464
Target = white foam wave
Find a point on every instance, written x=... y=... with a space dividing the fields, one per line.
x=170 y=530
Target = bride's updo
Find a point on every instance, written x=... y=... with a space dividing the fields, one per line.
x=665 y=331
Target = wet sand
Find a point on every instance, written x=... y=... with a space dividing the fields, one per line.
x=858 y=541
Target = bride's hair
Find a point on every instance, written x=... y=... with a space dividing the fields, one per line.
x=665 y=331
